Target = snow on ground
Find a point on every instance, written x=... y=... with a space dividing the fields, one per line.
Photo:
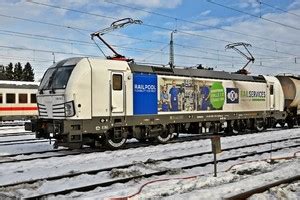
x=13 y=138
x=12 y=129
x=25 y=148
x=177 y=189
x=22 y=135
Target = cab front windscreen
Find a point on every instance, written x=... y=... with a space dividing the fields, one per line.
x=56 y=78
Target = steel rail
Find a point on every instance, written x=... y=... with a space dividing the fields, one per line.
x=158 y=173
x=246 y=194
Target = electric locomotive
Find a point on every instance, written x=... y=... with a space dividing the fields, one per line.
x=95 y=102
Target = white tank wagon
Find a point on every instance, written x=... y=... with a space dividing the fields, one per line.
x=18 y=100
x=87 y=101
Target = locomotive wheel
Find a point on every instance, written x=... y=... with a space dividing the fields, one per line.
x=260 y=125
x=282 y=124
x=290 y=124
x=166 y=135
x=172 y=131
x=235 y=127
x=114 y=142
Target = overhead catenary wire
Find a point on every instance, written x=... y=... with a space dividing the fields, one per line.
x=133 y=49
x=81 y=29
x=81 y=42
x=162 y=28
x=166 y=16
x=148 y=25
x=277 y=8
x=255 y=16
x=197 y=23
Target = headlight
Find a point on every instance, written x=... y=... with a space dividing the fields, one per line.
x=69 y=109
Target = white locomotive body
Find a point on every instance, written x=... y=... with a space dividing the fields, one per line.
x=88 y=101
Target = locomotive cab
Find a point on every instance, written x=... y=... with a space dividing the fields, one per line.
x=58 y=98
x=78 y=97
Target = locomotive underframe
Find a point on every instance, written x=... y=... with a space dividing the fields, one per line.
x=75 y=133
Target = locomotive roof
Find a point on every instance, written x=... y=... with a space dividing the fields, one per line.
x=19 y=84
x=192 y=72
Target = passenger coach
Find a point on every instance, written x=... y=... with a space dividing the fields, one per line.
x=18 y=100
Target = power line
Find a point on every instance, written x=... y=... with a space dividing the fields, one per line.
x=134 y=49
x=162 y=15
x=80 y=42
x=34 y=21
x=41 y=22
x=276 y=8
x=255 y=16
x=197 y=23
x=162 y=28
x=46 y=51
x=89 y=30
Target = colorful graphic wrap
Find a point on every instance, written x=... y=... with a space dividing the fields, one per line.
x=189 y=95
x=217 y=96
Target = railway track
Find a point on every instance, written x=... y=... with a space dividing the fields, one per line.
x=69 y=152
x=157 y=173
x=247 y=194
x=24 y=142
x=20 y=140
x=147 y=175
x=16 y=134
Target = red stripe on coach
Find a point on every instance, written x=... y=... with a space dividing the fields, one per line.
x=17 y=108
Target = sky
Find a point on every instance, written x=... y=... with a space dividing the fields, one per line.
x=45 y=31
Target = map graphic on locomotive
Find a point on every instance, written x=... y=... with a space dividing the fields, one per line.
x=96 y=102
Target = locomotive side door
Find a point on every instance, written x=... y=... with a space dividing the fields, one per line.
x=272 y=97
x=117 y=88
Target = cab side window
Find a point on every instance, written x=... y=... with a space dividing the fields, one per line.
x=271 y=89
x=1 y=98
x=117 y=82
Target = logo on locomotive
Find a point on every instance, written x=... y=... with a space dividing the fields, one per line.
x=217 y=95
x=144 y=94
x=232 y=95
x=251 y=95
x=144 y=88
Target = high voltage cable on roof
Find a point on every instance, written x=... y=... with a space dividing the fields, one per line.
x=162 y=28
x=256 y=16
